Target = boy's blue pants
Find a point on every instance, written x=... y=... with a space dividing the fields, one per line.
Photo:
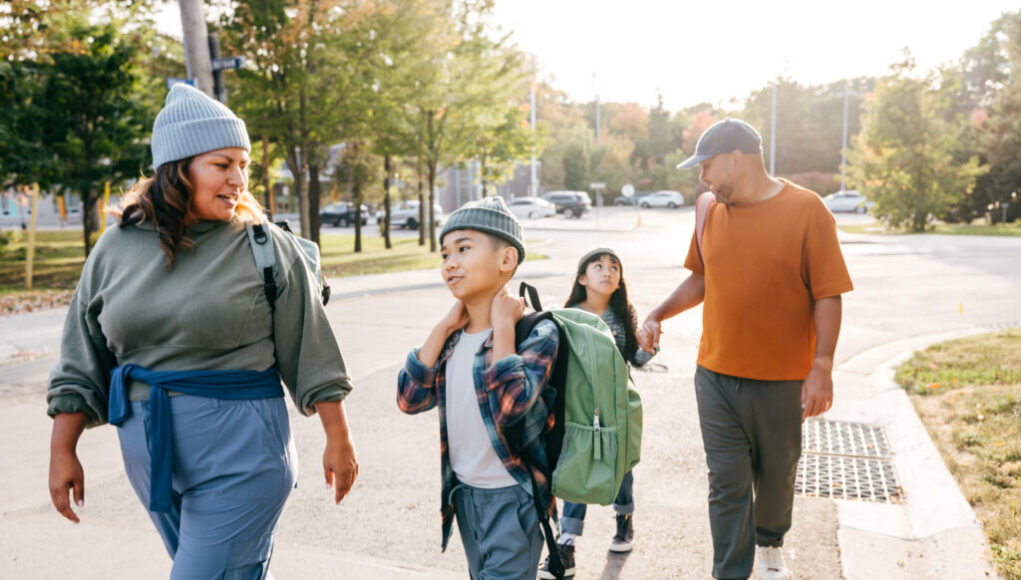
x=234 y=466
x=573 y=520
x=500 y=532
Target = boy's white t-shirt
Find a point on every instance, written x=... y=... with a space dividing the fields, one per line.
x=471 y=454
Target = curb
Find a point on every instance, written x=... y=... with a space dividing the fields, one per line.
x=934 y=533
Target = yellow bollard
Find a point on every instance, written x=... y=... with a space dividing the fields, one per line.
x=102 y=208
x=62 y=208
x=30 y=248
x=960 y=308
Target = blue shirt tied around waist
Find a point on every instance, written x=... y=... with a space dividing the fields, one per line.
x=217 y=384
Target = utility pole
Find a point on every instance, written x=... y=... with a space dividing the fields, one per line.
x=599 y=132
x=772 y=137
x=196 y=45
x=534 y=186
x=843 y=150
x=219 y=90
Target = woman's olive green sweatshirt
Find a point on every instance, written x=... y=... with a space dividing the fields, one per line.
x=208 y=312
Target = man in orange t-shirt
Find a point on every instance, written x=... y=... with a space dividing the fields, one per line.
x=770 y=273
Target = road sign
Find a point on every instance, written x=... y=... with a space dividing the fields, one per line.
x=597 y=185
x=171 y=81
x=230 y=62
x=628 y=190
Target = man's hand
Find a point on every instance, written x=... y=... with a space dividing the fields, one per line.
x=817 y=390
x=648 y=336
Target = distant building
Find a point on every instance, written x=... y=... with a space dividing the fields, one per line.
x=463 y=185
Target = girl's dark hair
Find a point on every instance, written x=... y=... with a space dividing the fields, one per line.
x=618 y=302
x=165 y=200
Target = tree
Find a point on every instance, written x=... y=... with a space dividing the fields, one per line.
x=903 y=159
x=99 y=108
x=470 y=74
x=306 y=83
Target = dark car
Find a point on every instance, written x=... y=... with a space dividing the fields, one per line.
x=342 y=214
x=633 y=200
x=569 y=203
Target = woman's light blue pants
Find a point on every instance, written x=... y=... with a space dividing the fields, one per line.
x=234 y=466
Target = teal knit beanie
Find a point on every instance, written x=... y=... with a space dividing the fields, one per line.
x=489 y=215
x=192 y=123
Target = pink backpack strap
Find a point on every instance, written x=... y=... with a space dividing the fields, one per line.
x=702 y=205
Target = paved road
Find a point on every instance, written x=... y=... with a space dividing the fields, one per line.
x=907 y=286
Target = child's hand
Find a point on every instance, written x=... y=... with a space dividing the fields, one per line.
x=507 y=309
x=648 y=336
x=455 y=320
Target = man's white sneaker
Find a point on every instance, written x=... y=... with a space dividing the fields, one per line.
x=771 y=565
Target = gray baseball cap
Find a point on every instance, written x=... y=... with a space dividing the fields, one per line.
x=723 y=137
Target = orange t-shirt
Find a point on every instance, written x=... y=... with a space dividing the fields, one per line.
x=768 y=262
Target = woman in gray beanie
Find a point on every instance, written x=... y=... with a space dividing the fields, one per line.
x=170 y=336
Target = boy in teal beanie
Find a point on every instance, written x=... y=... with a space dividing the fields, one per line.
x=470 y=367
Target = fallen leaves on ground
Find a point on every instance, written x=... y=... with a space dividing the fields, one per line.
x=16 y=303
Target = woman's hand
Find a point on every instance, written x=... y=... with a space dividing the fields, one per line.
x=340 y=462
x=340 y=465
x=66 y=473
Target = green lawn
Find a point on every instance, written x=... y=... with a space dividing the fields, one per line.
x=968 y=394
x=59 y=258
x=977 y=229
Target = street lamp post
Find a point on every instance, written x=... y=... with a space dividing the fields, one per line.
x=843 y=149
x=772 y=137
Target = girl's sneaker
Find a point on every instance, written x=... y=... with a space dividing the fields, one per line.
x=566 y=558
x=625 y=534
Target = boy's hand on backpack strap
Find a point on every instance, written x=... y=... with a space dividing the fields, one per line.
x=456 y=319
x=648 y=336
x=507 y=310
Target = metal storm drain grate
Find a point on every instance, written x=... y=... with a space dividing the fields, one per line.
x=843 y=460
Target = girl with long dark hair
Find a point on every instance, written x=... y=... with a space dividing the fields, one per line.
x=599 y=288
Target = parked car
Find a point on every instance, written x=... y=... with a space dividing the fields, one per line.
x=633 y=200
x=569 y=203
x=405 y=215
x=531 y=208
x=847 y=200
x=665 y=198
x=342 y=214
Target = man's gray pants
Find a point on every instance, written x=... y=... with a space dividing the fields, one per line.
x=751 y=431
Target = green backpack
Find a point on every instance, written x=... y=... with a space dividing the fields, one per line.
x=597 y=433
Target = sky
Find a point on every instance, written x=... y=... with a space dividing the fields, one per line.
x=716 y=52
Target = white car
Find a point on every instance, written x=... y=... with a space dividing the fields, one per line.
x=665 y=198
x=531 y=208
x=405 y=214
x=847 y=200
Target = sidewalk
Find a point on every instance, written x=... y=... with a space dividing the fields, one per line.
x=934 y=533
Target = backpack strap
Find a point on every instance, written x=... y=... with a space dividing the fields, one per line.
x=702 y=205
x=261 y=241
x=522 y=329
x=533 y=296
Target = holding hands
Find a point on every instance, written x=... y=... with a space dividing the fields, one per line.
x=648 y=336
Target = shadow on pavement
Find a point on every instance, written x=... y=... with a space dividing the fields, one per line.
x=614 y=565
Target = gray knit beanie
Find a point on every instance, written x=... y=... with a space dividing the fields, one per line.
x=489 y=215
x=192 y=123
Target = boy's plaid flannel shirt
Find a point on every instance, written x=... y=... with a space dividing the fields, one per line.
x=509 y=391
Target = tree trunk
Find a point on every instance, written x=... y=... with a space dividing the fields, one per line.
x=88 y=204
x=313 y=203
x=421 y=204
x=265 y=178
x=387 y=169
x=432 y=201
x=294 y=163
x=356 y=193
